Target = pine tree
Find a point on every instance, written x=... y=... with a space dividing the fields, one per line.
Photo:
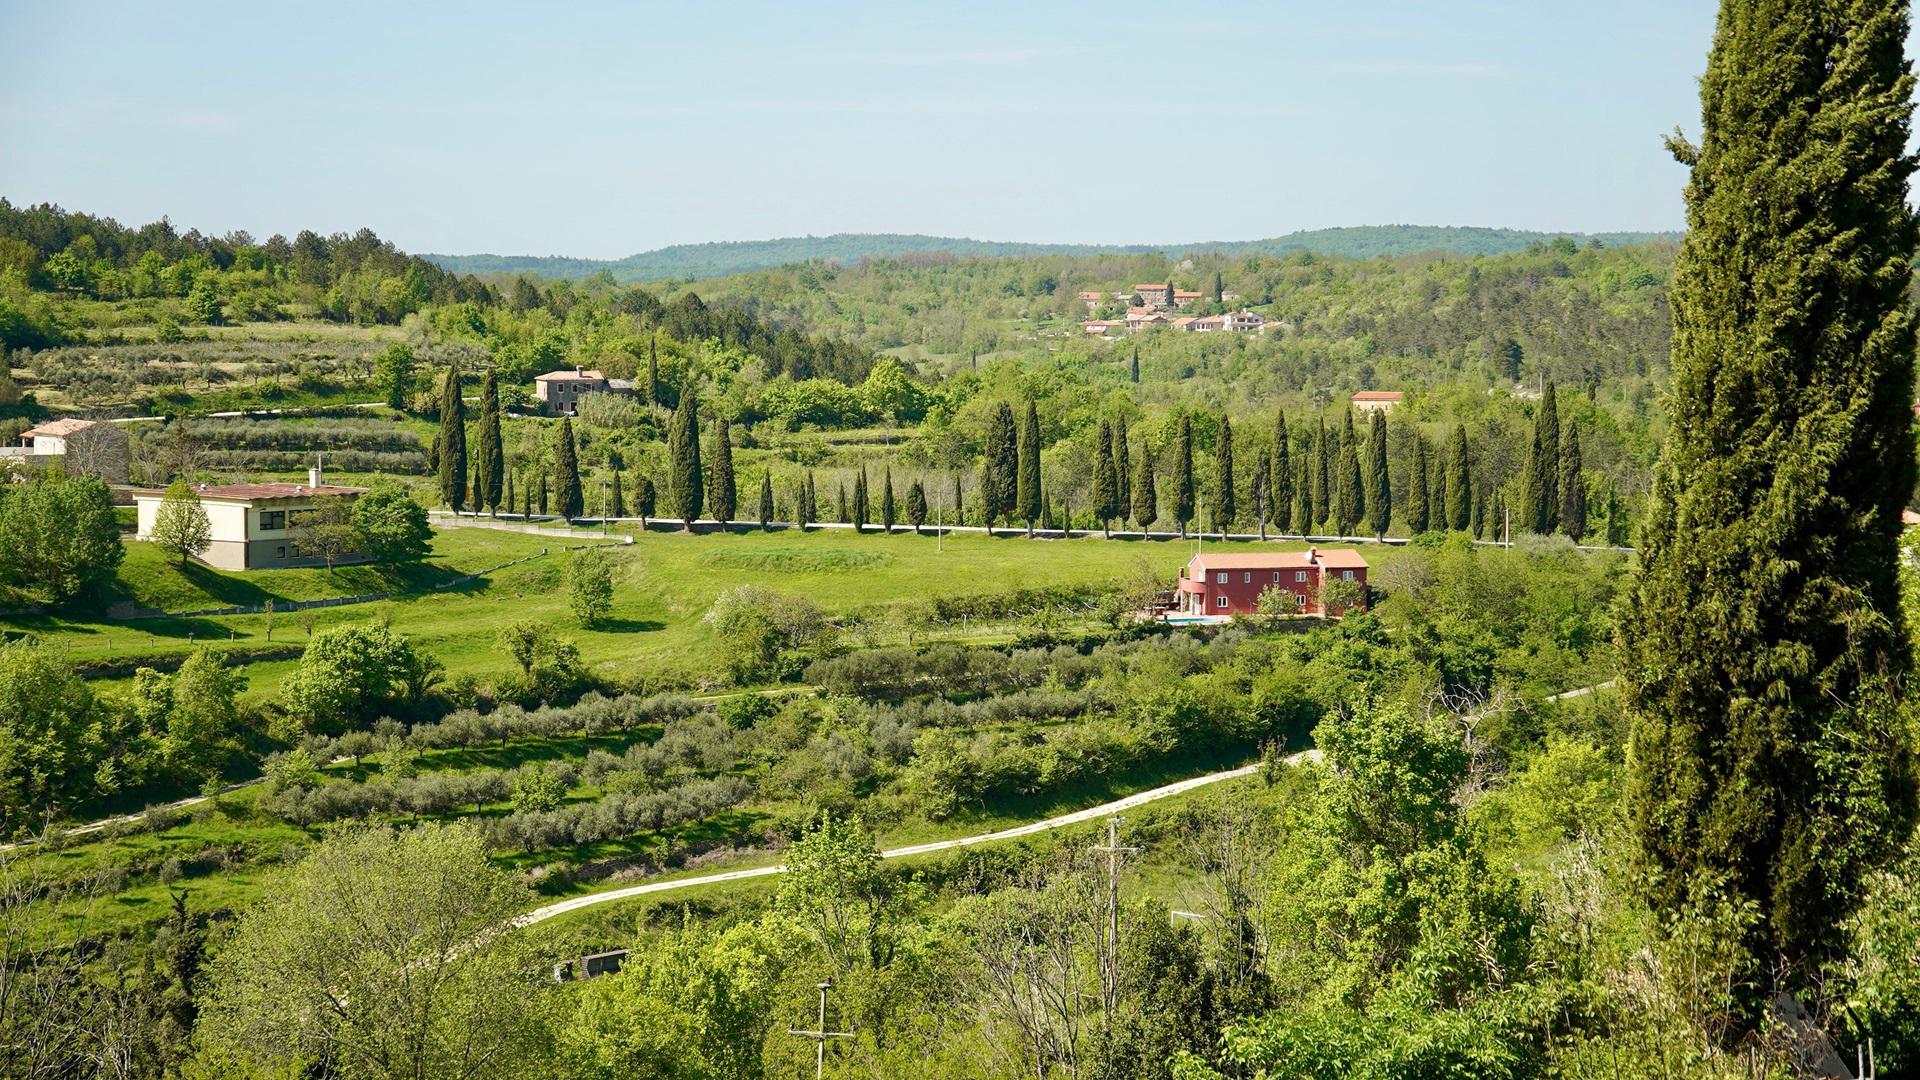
x=1573 y=486
x=619 y=507
x=1146 y=501
x=1322 y=473
x=1379 y=485
x=1028 y=489
x=766 y=501
x=724 y=501
x=917 y=505
x=860 y=500
x=1350 y=500
x=566 y=472
x=492 y=457
x=1457 y=507
x=1225 y=505
x=1106 y=493
x=1763 y=636
x=999 y=471
x=1281 y=497
x=1257 y=493
x=1183 y=490
x=685 y=481
x=1417 y=488
x=451 y=442
x=1122 y=470
x=887 y=516
x=1539 y=508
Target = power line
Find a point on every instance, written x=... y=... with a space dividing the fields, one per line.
x=820 y=1034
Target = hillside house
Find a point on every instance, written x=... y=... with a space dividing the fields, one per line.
x=1383 y=400
x=82 y=447
x=255 y=526
x=1093 y=300
x=559 y=392
x=1181 y=297
x=1142 y=318
x=1230 y=583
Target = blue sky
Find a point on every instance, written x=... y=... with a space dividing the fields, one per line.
x=604 y=129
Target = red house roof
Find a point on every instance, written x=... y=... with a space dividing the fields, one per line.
x=1328 y=558
x=1379 y=395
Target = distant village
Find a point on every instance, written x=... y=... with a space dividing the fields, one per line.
x=1156 y=304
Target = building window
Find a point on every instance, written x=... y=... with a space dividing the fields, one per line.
x=1299 y=599
x=280 y=552
x=1299 y=575
x=1219 y=601
x=1276 y=577
x=1346 y=575
x=1220 y=578
x=1246 y=577
x=273 y=519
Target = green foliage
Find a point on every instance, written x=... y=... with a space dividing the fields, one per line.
x=58 y=535
x=721 y=492
x=1770 y=763
x=492 y=462
x=390 y=525
x=1183 y=487
x=1379 y=488
x=48 y=745
x=1226 y=507
x=1573 y=486
x=685 y=491
x=180 y=524
x=590 y=586
x=450 y=448
x=394 y=367
x=347 y=676
x=766 y=634
x=569 y=500
x=1000 y=468
x=1027 y=496
x=1456 y=511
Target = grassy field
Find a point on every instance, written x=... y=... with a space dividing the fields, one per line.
x=665 y=583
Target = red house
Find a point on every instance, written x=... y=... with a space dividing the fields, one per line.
x=1230 y=583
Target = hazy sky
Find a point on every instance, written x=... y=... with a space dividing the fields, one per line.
x=600 y=130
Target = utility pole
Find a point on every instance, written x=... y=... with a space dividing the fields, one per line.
x=1115 y=855
x=820 y=1034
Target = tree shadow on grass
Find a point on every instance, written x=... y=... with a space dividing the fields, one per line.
x=629 y=626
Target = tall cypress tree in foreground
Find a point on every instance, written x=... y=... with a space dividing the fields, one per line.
x=1122 y=470
x=999 y=471
x=566 y=472
x=809 y=505
x=1539 y=509
x=618 y=508
x=543 y=494
x=840 y=502
x=1349 y=498
x=1457 y=509
x=1762 y=642
x=1027 y=492
x=1257 y=493
x=451 y=442
x=959 y=508
x=1417 y=486
x=725 y=495
x=1183 y=493
x=766 y=501
x=1379 y=486
x=1225 y=505
x=509 y=496
x=1573 y=486
x=1280 y=499
x=1321 y=471
x=492 y=463
x=1303 y=494
x=887 y=516
x=1146 y=500
x=1106 y=493
x=860 y=500
x=684 y=477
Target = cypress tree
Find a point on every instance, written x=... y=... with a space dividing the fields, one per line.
x=917 y=505
x=1573 y=486
x=959 y=507
x=566 y=472
x=653 y=370
x=543 y=495
x=1458 y=504
x=840 y=502
x=509 y=498
x=1539 y=508
x=451 y=441
x=999 y=472
x=1106 y=493
x=1379 y=484
x=766 y=500
x=493 y=457
x=1136 y=365
x=1146 y=501
x=887 y=517
x=809 y=505
x=1322 y=472
x=1225 y=505
x=684 y=477
x=860 y=500
x=1349 y=498
x=1417 y=488
x=1183 y=493
x=644 y=498
x=1028 y=490
x=1763 y=636
x=1219 y=288
x=473 y=488
x=1616 y=518
x=1479 y=512
x=1281 y=497
x=1122 y=470
x=619 y=508
x=1257 y=492
x=1303 y=494
x=725 y=500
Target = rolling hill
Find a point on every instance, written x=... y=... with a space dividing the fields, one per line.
x=696 y=261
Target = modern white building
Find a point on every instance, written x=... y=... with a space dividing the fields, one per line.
x=254 y=526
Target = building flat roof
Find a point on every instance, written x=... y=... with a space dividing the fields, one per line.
x=272 y=490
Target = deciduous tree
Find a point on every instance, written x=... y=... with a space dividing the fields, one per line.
x=180 y=524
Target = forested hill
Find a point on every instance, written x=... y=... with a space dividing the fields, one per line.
x=721 y=259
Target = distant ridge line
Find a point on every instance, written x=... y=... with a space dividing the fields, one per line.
x=720 y=258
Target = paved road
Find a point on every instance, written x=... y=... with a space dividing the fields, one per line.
x=1092 y=813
